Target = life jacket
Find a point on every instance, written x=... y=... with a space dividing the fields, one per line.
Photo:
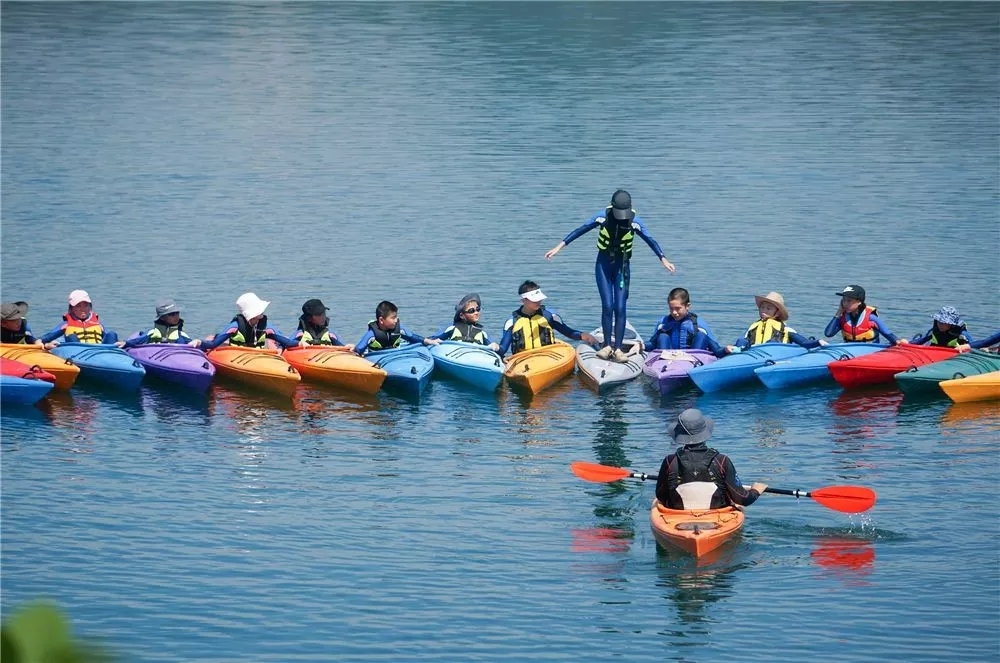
x=862 y=331
x=19 y=335
x=384 y=339
x=87 y=331
x=680 y=339
x=764 y=331
x=244 y=332
x=468 y=332
x=530 y=331
x=949 y=339
x=312 y=335
x=616 y=240
x=161 y=333
x=699 y=471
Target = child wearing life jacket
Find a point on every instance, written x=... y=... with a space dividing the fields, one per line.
x=249 y=328
x=14 y=325
x=168 y=328
x=80 y=324
x=465 y=325
x=681 y=329
x=385 y=332
x=771 y=326
x=314 y=326
x=948 y=331
x=856 y=321
x=530 y=326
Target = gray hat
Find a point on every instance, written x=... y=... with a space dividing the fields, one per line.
x=13 y=310
x=949 y=316
x=166 y=307
x=691 y=427
x=464 y=301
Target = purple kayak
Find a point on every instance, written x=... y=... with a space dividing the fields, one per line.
x=176 y=363
x=669 y=369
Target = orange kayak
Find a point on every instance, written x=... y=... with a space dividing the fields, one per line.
x=696 y=532
x=985 y=387
x=255 y=367
x=336 y=366
x=539 y=368
x=65 y=371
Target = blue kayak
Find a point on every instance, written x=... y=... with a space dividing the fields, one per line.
x=469 y=362
x=736 y=369
x=103 y=363
x=811 y=367
x=23 y=391
x=408 y=368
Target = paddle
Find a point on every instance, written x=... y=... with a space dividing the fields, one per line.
x=848 y=499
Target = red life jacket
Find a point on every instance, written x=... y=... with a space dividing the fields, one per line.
x=861 y=332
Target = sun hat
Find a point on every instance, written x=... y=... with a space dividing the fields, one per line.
x=465 y=301
x=691 y=427
x=78 y=296
x=949 y=316
x=621 y=205
x=250 y=305
x=535 y=295
x=13 y=310
x=776 y=299
x=314 y=307
x=166 y=307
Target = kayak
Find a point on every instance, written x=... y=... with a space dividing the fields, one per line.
x=176 y=363
x=603 y=373
x=738 y=368
x=540 y=368
x=669 y=369
x=23 y=391
x=925 y=379
x=17 y=369
x=103 y=363
x=880 y=367
x=695 y=532
x=255 y=367
x=337 y=366
x=65 y=371
x=985 y=387
x=469 y=362
x=408 y=368
x=811 y=367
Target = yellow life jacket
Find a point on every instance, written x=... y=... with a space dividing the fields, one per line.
x=764 y=331
x=245 y=331
x=464 y=331
x=87 y=331
x=529 y=332
x=323 y=339
x=382 y=339
x=161 y=333
x=945 y=341
x=606 y=237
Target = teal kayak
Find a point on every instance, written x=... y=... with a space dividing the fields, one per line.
x=926 y=379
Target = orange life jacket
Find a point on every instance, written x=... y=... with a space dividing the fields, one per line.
x=87 y=331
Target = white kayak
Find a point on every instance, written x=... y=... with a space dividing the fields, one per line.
x=604 y=373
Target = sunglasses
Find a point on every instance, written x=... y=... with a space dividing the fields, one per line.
x=472 y=310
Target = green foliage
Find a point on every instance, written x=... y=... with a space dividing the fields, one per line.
x=40 y=633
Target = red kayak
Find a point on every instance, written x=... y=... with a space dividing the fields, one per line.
x=882 y=366
x=17 y=369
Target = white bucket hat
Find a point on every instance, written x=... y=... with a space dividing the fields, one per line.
x=250 y=305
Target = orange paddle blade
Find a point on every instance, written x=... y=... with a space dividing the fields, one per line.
x=848 y=499
x=598 y=473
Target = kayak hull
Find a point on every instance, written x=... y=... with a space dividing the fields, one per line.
x=408 y=368
x=255 y=367
x=471 y=363
x=539 y=368
x=65 y=371
x=985 y=387
x=604 y=373
x=178 y=364
x=811 y=368
x=106 y=364
x=23 y=391
x=695 y=532
x=669 y=369
x=881 y=367
x=927 y=378
x=336 y=366
x=738 y=369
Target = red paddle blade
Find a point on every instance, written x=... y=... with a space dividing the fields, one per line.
x=598 y=473
x=848 y=499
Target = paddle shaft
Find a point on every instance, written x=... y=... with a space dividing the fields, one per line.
x=642 y=476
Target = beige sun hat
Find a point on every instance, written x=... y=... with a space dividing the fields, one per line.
x=776 y=299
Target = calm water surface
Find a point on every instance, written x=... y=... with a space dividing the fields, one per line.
x=416 y=152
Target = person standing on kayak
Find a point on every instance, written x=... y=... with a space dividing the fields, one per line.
x=697 y=476
x=531 y=326
x=618 y=224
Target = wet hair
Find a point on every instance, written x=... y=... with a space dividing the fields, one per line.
x=680 y=294
x=527 y=286
x=384 y=308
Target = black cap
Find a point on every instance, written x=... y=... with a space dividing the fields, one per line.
x=314 y=307
x=854 y=292
x=621 y=199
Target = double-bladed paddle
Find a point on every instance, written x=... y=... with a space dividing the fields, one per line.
x=848 y=499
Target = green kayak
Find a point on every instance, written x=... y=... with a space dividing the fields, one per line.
x=925 y=379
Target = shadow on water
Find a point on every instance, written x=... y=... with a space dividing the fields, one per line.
x=692 y=585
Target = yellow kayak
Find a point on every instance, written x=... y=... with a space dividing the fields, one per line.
x=985 y=387
x=66 y=372
x=336 y=366
x=539 y=368
x=255 y=367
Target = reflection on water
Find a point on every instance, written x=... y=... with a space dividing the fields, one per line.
x=846 y=556
x=972 y=418
x=693 y=584
x=863 y=414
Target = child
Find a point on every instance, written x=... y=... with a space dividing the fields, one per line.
x=80 y=324
x=948 y=331
x=314 y=326
x=14 y=325
x=465 y=326
x=530 y=326
x=680 y=329
x=168 y=328
x=249 y=328
x=771 y=327
x=385 y=332
x=990 y=344
x=856 y=321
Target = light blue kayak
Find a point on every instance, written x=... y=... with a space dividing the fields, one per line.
x=408 y=368
x=104 y=363
x=469 y=362
x=811 y=367
x=736 y=369
x=22 y=391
